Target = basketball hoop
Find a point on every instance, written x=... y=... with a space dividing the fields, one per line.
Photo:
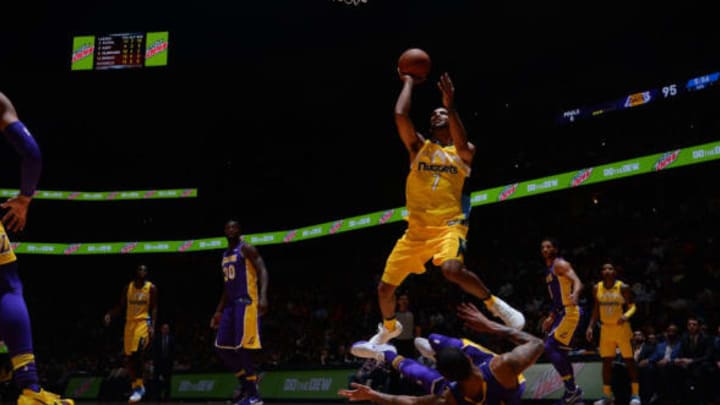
x=351 y=2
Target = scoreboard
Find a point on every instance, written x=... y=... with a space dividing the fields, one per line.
x=667 y=91
x=130 y=50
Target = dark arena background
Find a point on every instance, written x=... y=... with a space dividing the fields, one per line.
x=280 y=114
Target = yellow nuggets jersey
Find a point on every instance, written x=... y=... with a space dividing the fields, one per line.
x=6 y=253
x=610 y=301
x=613 y=336
x=137 y=319
x=138 y=302
x=434 y=190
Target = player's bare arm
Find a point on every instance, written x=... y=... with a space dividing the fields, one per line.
x=464 y=148
x=8 y=115
x=215 y=320
x=252 y=253
x=362 y=392
x=412 y=140
x=594 y=317
x=629 y=303
x=507 y=366
x=114 y=311
x=563 y=268
x=153 y=309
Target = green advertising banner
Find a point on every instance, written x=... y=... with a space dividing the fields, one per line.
x=156 y=48
x=303 y=384
x=309 y=384
x=589 y=175
x=83 y=387
x=3 y=347
x=83 y=53
x=542 y=383
x=106 y=195
x=203 y=386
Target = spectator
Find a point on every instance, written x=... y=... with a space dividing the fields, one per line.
x=663 y=358
x=695 y=359
x=163 y=361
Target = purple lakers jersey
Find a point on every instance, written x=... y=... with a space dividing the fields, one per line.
x=241 y=281
x=493 y=392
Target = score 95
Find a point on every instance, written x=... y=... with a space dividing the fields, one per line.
x=669 y=90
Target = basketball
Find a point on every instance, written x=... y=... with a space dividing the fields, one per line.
x=415 y=62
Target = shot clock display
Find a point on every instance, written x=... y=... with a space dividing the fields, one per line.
x=130 y=50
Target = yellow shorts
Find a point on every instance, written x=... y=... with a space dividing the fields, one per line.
x=137 y=336
x=615 y=336
x=565 y=326
x=420 y=244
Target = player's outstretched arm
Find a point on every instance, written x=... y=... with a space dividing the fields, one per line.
x=362 y=392
x=412 y=140
x=506 y=366
x=464 y=148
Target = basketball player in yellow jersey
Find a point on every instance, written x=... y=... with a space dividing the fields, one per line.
x=614 y=307
x=140 y=301
x=438 y=209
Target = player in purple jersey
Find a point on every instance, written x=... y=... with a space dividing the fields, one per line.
x=14 y=318
x=466 y=373
x=237 y=318
x=564 y=288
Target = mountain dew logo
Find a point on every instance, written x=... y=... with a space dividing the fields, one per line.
x=74 y=195
x=160 y=45
x=666 y=160
x=84 y=387
x=185 y=246
x=581 y=177
x=336 y=227
x=548 y=382
x=156 y=49
x=72 y=248
x=150 y=193
x=83 y=52
x=14 y=245
x=290 y=236
x=386 y=216
x=129 y=247
x=112 y=195
x=507 y=192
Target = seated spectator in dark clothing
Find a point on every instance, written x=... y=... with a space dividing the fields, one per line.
x=663 y=362
x=695 y=359
x=642 y=350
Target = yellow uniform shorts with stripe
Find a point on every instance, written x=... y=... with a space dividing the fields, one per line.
x=566 y=325
x=615 y=336
x=137 y=336
x=420 y=244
